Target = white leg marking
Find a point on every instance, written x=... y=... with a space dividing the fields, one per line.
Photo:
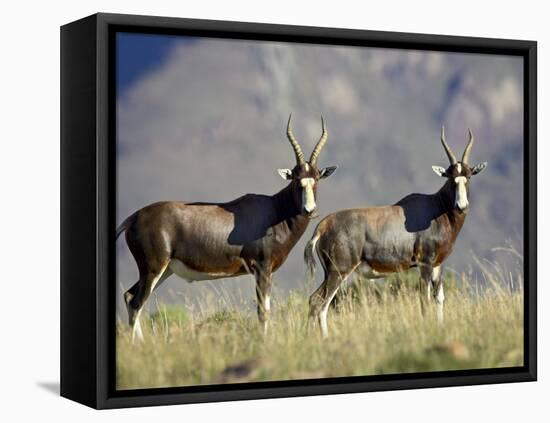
x=439 y=294
x=136 y=329
x=323 y=316
x=267 y=308
x=436 y=271
x=440 y=314
x=324 y=311
x=155 y=281
x=429 y=291
x=165 y=275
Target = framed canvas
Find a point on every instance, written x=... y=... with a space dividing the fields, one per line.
x=258 y=211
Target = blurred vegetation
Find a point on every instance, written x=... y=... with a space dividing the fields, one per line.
x=376 y=327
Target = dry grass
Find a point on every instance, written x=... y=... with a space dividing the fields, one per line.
x=375 y=329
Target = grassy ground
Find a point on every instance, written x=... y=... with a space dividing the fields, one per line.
x=374 y=329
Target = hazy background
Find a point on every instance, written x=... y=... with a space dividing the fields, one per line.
x=205 y=119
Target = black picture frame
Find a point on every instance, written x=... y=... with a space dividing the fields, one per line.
x=88 y=197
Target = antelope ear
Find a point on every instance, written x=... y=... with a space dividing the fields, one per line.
x=478 y=168
x=286 y=174
x=327 y=171
x=440 y=171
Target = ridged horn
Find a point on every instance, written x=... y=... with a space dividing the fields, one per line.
x=320 y=144
x=466 y=155
x=450 y=154
x=295 y=146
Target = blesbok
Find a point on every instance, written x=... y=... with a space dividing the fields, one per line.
x=203 y=241
x=418 y=231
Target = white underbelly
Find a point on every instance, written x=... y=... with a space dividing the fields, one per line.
x=191 y=275
x=364 y=271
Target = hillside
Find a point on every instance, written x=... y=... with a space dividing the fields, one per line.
x=208 y=124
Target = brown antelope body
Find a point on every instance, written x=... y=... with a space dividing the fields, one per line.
x=418 y=231
x=204 y=241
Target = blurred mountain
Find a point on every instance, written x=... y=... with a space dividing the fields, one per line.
x=209 y=125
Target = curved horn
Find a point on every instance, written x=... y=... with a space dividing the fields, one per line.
x=468 y=148
x=448 y=150
x=295 y=146
x=320 y=144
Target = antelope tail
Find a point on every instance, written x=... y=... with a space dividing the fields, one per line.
x=124 y=225
x=309 y=258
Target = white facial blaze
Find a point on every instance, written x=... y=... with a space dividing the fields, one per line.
x=461 y=197
x=308 y=198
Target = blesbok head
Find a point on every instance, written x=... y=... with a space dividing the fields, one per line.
x=459 y=172
x=305 y=175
